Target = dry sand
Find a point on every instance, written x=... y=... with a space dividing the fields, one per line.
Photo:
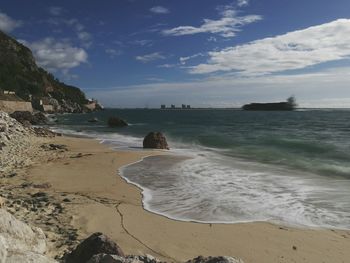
x=102 y=201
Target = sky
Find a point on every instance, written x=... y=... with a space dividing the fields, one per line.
x=222 y=53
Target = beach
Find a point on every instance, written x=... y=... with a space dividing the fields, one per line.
x=143 y=132
x=94 y=198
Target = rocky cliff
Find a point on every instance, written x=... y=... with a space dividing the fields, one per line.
x=20 y=73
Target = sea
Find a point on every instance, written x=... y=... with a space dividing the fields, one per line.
x=231 y=166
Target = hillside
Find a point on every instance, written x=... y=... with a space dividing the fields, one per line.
x=19 y=73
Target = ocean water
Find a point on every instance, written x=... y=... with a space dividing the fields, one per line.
x=235 y=166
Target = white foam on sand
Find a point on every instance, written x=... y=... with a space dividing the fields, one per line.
x=115 y=140
x=212 y=188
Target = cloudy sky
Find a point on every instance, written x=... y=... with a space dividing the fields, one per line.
x=137 y=53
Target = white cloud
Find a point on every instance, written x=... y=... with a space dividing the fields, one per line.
x=7 y=24
x=159 y=10
x=227 y=26
x=212 y=39
x=85 y=38
x=55 y=10
x=242 y=3
x=183 y=60
x=54 y=55
x=150 y=57
x=291 y=51
x=143 y=42
x=167 y=65
x=112 y=52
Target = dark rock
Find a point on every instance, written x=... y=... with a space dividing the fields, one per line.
x=25 y=116
x=93 y=120
x=27 y=124
x=72 y=236
x=220 y=259
x=22 y=116
x=42 y=186
x=43 y=132
x=58 y=146
x=106 y=258
x=95 y=244
x=116 y=122
x=25 y=185
x=3 y=127
x=39 y=118
x=155 y=140
x=11 y=175
x=143 y=259
x=79 y=155
x=39 y=194
x=54 y=147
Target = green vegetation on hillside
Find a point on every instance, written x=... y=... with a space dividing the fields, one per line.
x=19 y=73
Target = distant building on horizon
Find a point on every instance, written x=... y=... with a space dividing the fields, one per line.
x=172 y=106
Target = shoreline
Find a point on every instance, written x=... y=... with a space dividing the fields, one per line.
x=157 y=153
x=145 y=207
x=111 y=205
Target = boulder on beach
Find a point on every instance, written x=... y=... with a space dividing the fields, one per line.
x=107 y=258
x=95 y=244
x=155 y=140
x=93 y=120
x=220 y=259
x=116 y=122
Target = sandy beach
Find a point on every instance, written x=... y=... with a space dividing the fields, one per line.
x=84 y=180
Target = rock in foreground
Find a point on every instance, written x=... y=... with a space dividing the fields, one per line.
x=155 y=140
x=95 y=244
x=201 y=259
x=105 y=258
x=116 y=122
x=98 y=248
x=20 y=242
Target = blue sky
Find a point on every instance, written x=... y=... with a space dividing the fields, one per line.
x=136 y=53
